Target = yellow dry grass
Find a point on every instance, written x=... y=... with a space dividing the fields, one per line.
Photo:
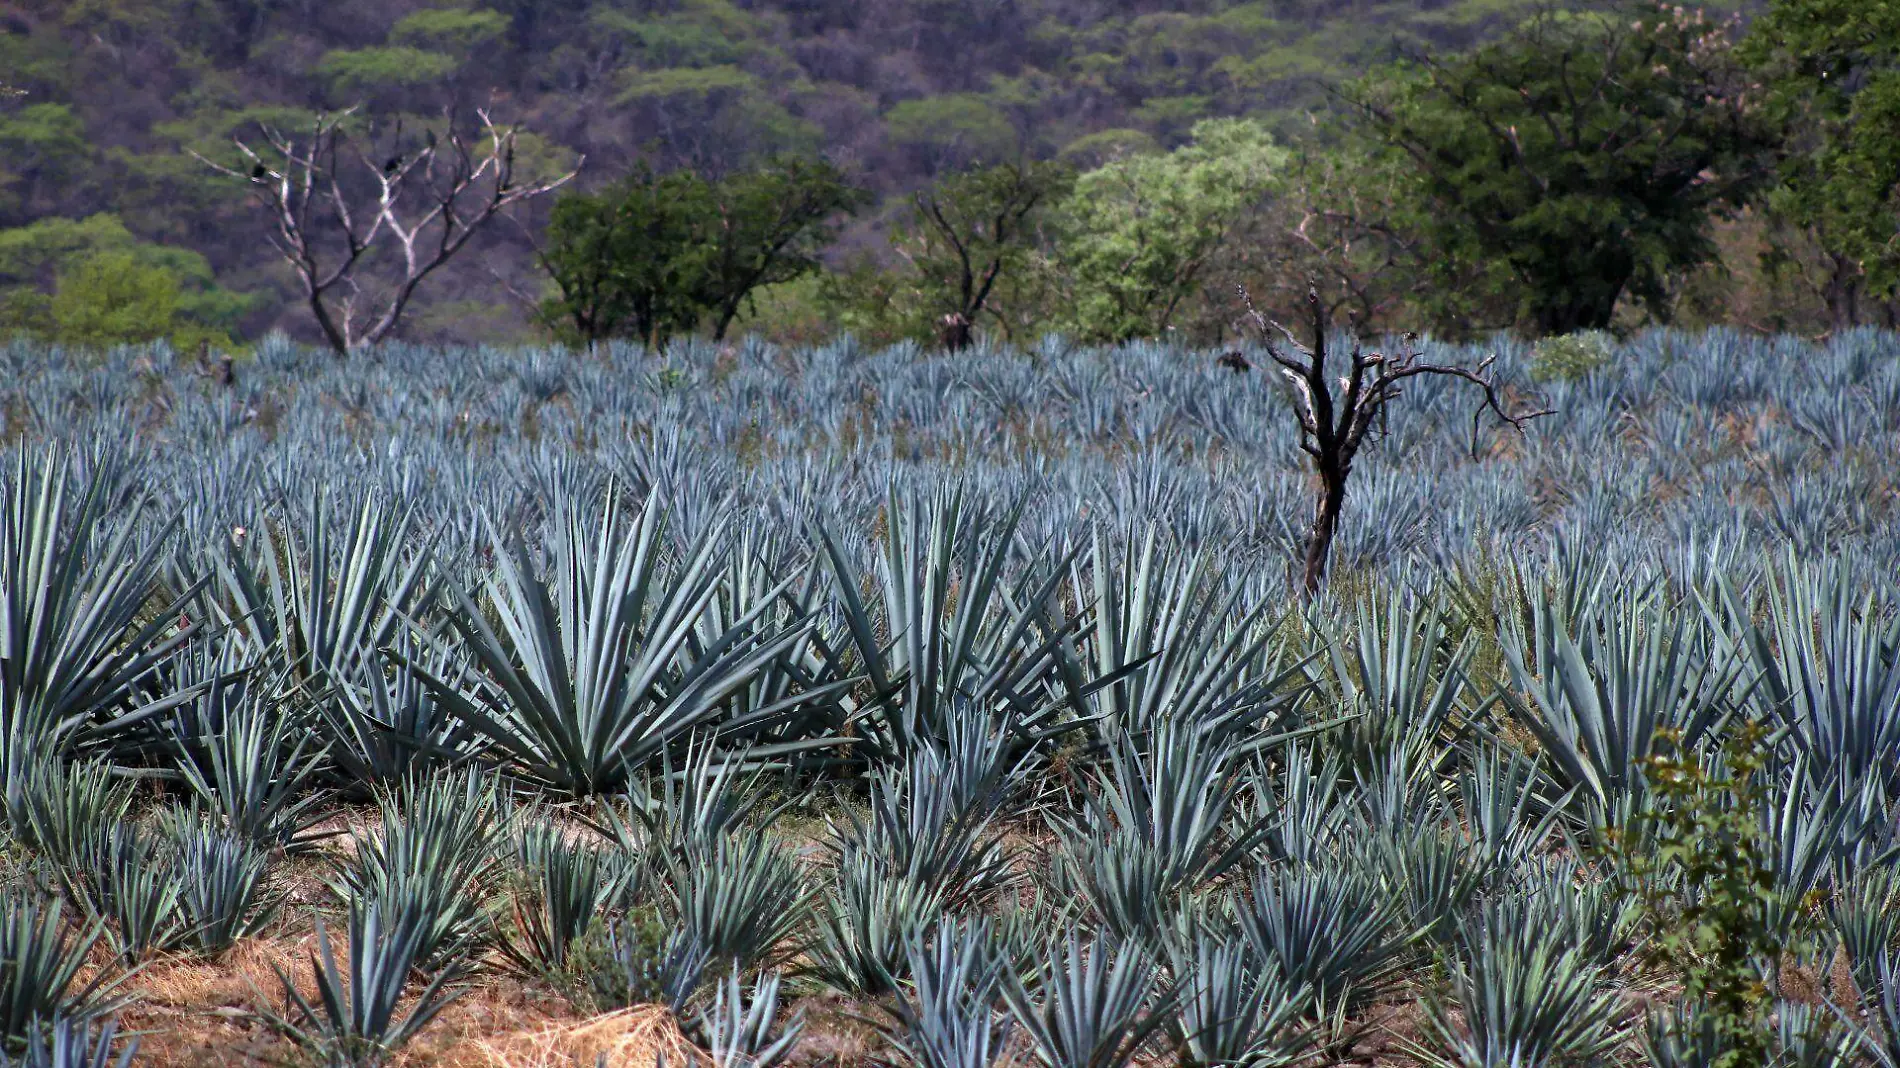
x=640 y=1037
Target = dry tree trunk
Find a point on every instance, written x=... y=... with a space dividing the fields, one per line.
x=1333 y=428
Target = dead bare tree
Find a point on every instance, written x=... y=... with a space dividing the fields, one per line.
x=427 y=200
x=1333 y=429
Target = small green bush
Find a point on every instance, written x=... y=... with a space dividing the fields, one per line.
x=1571 y=357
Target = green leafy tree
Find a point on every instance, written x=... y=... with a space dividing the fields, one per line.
x=1139 y=233
x=90 y=282
x=1571 y=164
x=767 y=229
x=45 y=149
x=952 y=130
x=623 y=259
x=968 y=237
x=1832 y=68
x=372 y=71
x=1338 y=224
x=456 y=31
x=654 y=255
x=113 y=299
x=715 y=117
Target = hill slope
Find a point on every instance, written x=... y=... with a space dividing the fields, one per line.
x=115 y=91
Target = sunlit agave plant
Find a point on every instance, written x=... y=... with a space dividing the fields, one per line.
x=1089 y=1004
x=1524 y=999
x=223 y=891
x=436 y=861
x=74 y=1042
x=355 y=1020
x=948 y=1017
x=565 y=883
x=742 y=1029
x=41 y=959
x=82 y=619
x=596 y=665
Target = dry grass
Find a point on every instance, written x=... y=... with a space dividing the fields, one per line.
x=639 y=1037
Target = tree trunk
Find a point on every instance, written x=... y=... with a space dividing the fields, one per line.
x=1319 y=541
x=332 y=333
x=954 y=333
x=1842 y=292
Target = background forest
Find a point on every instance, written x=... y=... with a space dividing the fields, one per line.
x=1163 y=153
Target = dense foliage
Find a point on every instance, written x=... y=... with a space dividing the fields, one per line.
x=1494 y=187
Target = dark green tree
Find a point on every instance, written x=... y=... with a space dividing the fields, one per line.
x=1573 y=163
x=769 y=228
x=1832 y=70
x=969 y=231
x=658 y=254
x=624 y=258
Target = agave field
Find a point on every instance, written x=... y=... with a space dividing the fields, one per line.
x=754 y=707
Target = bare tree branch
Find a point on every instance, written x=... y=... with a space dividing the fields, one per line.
x=327 y=219
x=1332 y=431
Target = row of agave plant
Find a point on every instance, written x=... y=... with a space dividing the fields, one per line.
x=1087 y=803
x=1660 y=440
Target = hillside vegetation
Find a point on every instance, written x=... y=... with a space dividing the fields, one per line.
x=116 y=93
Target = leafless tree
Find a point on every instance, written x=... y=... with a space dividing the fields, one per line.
x=332 y=205
x=1335 y=427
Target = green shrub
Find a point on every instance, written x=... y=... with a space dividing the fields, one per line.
x=1702 y=865
x=1571 y=357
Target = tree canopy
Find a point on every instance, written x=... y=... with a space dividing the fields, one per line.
x=1578 y=160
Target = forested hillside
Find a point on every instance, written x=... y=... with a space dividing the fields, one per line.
x=115 y=94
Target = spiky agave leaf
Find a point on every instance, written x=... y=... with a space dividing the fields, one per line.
x=948 y=1017
x=131 y=880
x=1401 y=672
x=742 y=897
x=1828 y=657
x=224 y=893
x=805 y=695
x=742 y=1029
x=437 y=859
x=867 y=921
x=354 y=1022
x=1160 y=824
x=1866 y=917
x=710 y=796
x=80 y=624
x=73 y=1042
x=963 y=627
x=255 y=771
x=1881 y=1002
x=1524 y=1000
x=564 y=886
x=1801 y=1036
x=1177 y=642
x=597 y=669
x=641 y=967
x=1508 y=808
x=931 y=817
x=1573 y=906
x=1089 y=1004
x=41 y=958
x=321 y=607
x=1327 y=932
x=1812 y=1036
x=1311 y=812
x=380 y=724
x=1432 y=872
x=61 y=808
x=1232 y=1008
x=1601 y=688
